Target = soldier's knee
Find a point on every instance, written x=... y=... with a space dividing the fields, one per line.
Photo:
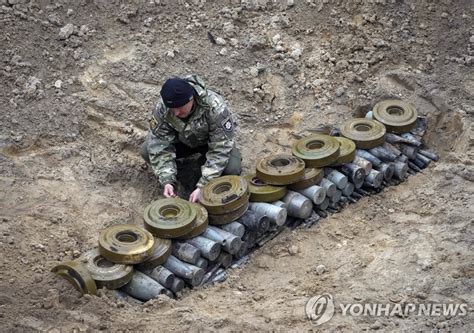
x=144 y=151
x=234 y=166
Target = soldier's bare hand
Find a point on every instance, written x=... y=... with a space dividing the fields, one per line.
x=168 y=191
x=194 y=197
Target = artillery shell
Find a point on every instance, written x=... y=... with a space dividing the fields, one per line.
x=275 y=214
x=369 y=157
x=161 y=275
x=209 y=249
x=348 y=190
x=336 y=197
x=329 y=186
x=419 y=163
x=339 y=179
x=423 y=158
x=234 y=228
x=387 y=170
x=143 y=287
x=420 y=127
x=383 y=154
x=391 y=148
x=177 y=285
x=356 y=173
x=409 y=151
x=255 y=221
x=186 y=252
x=190 y=273
x=228 y=241
x=323 y=205
x=396 y=139
x=362 y=163
x=125 y=244
x=374 y=179
x=431 y=155
x=298 y=205
x=203 y=263
x=414 y=140
x=315 y=193
x=400 y=170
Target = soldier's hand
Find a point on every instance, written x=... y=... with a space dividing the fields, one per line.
x=194 y=197
x=168 y=191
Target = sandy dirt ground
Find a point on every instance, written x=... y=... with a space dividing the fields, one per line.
x=79 y=80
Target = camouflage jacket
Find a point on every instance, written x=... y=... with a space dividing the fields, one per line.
x=209 y=123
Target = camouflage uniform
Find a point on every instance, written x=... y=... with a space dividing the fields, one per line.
x=210 y=123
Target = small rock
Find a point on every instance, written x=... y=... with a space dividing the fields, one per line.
x=293 y=250
x=224 y=51
x=170 y=54
x=321 y=269
x=276 y=39
x=228 y=70
x=340 y=91
x=280 y=48
x=375 y=326
x=471 y=40
x=444 y=14
x=220 y=41
x=66 y=31
x=58 y=84
x=256 y=42
x=426 y=265
x=70 y=12
x=102 y=83
x=234 y=41
x=253 y=71
x=318 y=82
x=391 y=210
x=395 y=298
x=421 y=295
x=296 y=53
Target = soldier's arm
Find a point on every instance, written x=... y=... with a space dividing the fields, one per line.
x=221 y=141
x=162 y=151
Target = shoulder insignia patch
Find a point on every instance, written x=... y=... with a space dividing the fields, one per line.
x=227 y=125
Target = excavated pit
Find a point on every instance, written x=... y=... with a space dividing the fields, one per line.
x=70 y=164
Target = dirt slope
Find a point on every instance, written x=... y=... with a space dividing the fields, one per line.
x=80 y=79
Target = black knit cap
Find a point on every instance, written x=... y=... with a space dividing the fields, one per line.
x=176 y=92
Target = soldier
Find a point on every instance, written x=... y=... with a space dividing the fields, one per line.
x=189 y=119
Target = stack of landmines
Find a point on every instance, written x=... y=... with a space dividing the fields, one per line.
x=203 y=259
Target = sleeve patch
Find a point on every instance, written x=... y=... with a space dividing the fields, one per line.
x=227 y=125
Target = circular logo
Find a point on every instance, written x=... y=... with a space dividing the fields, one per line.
x=320 y=309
